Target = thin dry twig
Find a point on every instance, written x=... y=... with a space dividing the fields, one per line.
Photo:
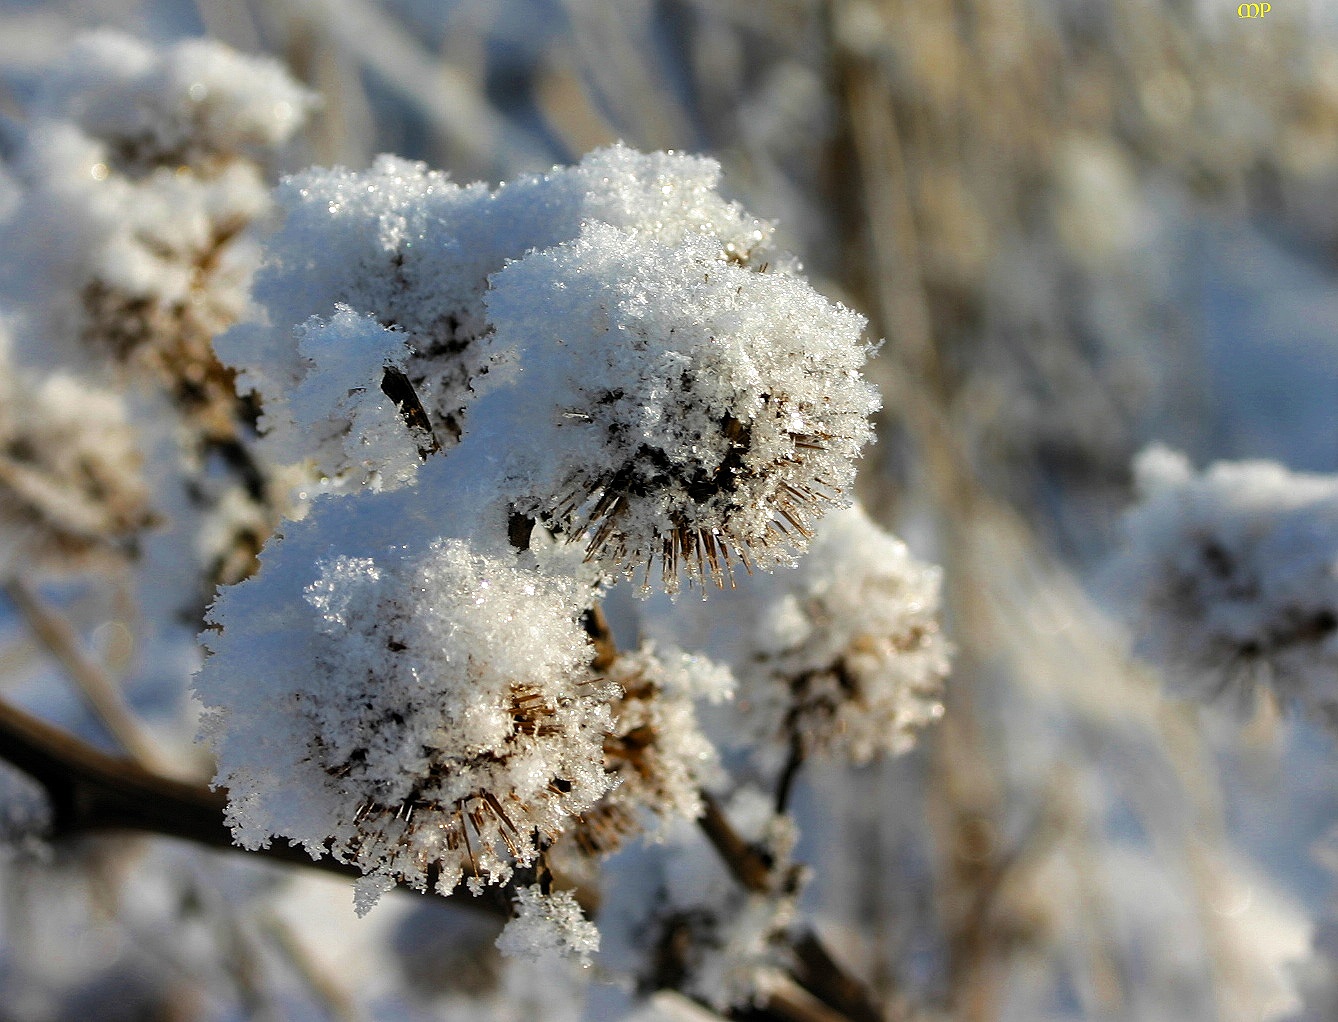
x=99 y=691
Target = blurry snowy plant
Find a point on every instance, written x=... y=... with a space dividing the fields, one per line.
x=71 y=493
x=140 y=169
x=137 y=173
x=677 y=912
x=1231 y=575
x=840 y=655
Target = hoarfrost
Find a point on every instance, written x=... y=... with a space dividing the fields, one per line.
x=683 y=408
x=547 y=925
x=645 y=373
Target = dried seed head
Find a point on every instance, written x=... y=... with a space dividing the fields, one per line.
x=71 y=488
x=842 y=654
x=655 y=750
x=670 y=405
x=1230 y=580
x=437 y=725
x=851 y=642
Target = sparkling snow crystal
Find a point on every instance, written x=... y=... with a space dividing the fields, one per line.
x=683 y=408
x=1232 y=575
x=548 y=925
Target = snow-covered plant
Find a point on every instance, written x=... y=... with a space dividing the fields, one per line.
x=684 y=408
x=842 y=654
x=682 y=400
x=137 y=174
x=656 y=752
x=140 y=168
x=418 y=713
x=71 y=492
x=514 y=397
x=408 y=249
x=1232 y=576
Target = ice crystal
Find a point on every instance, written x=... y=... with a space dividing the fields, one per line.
x=548 y=925
x=427 y=715
x=1231 y=577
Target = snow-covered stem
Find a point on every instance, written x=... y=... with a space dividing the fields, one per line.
x=815 y=970
x=91 y=792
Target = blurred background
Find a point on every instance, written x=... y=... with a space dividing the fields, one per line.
x=1080 y=228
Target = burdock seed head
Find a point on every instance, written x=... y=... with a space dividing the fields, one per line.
x=665 y=403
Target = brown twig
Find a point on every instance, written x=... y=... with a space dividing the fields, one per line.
x=815 y=970
x=749 y=865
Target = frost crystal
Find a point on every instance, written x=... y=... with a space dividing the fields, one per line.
x=427 y=716
x=1232 y=577
x=548 y=925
